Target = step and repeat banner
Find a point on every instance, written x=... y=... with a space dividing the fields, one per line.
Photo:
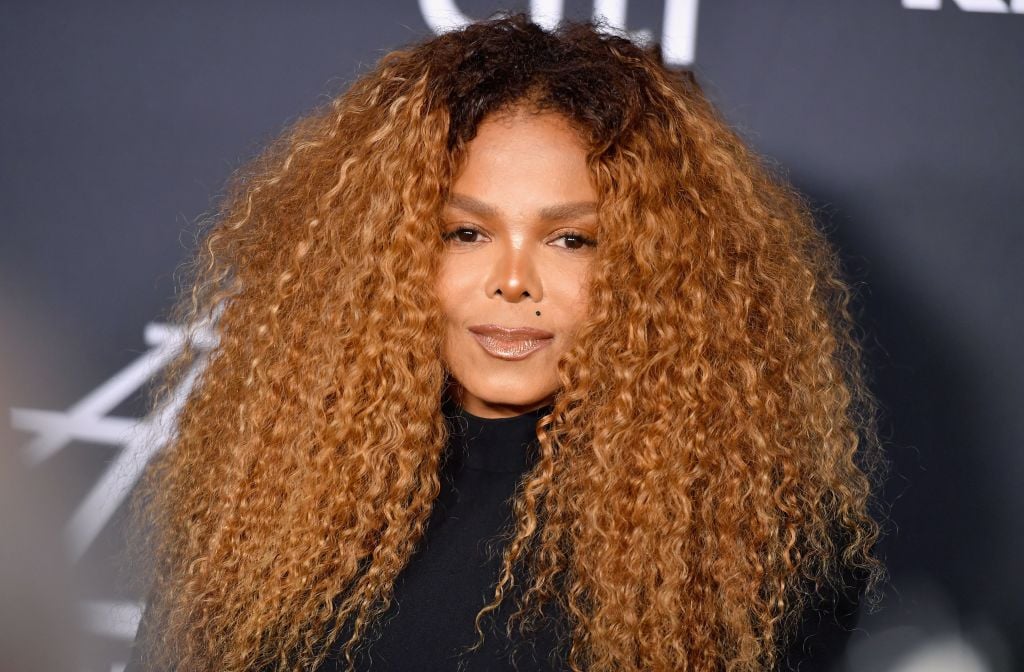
x=900 y=120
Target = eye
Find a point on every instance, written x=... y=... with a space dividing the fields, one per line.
x=575 y=240
x=463 y=234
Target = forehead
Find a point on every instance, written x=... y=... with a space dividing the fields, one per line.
x=525 y=131
x=554 y=212
x=527 y=163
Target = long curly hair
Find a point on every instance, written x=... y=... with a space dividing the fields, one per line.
x=711 y=459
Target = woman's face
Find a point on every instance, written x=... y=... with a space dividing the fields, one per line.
x=520 y=230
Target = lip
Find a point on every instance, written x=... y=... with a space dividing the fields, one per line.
x=510 y=343
x=510 y=333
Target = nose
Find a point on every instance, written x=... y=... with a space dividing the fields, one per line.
x=514 y=274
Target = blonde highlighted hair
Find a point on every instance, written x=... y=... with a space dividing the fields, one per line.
x=710 y=460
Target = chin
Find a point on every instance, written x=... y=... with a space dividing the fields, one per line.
x=507 y=397
x=508 y=392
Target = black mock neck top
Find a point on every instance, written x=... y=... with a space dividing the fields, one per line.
x=451 y=575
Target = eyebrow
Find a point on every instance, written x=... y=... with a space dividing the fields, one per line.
x=560 y=212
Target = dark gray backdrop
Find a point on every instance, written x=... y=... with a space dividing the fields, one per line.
x=901 y=120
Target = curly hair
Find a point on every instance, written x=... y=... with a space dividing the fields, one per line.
x=691 y=493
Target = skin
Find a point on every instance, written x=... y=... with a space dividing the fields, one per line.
x=504 y=260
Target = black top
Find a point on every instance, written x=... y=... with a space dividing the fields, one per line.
x=452 y=575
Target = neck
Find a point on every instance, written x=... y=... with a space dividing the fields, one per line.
x=505 y=444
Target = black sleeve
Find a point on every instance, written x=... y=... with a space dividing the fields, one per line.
x=825 y=628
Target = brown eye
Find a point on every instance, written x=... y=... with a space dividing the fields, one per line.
x=462 y=235
x=576 y=241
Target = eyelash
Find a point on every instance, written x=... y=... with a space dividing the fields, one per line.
x=585 y=240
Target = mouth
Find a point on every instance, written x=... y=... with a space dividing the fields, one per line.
x=510 y=343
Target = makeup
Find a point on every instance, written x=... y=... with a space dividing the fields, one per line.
x=510 y=343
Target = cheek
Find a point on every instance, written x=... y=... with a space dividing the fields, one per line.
x=446 y=290
x=453 y=301
x=583 y=295
x=577 y=293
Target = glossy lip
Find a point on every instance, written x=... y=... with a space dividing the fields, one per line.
x=510 y=343
x=510 y=333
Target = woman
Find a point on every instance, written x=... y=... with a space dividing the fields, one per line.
x=524 y=277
